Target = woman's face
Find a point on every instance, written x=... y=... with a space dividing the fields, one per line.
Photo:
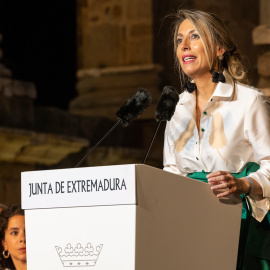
x=14 y=240
x=190 y=51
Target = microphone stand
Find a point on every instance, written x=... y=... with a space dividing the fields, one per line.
x=144 y=159
x=103 y=138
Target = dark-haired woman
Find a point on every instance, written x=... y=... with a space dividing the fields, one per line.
x=220 y=132
x=12 y=235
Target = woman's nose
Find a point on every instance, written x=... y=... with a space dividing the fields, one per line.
x=185 y=44
x=22 y=238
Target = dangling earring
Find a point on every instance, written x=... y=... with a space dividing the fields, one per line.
x=5 y=254
x=217 y=76
x=220 y=57
x=189 y=86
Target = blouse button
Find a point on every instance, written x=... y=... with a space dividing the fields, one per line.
x=211 y=99
x=204 y=112
x=197 y=158
x=202 y=129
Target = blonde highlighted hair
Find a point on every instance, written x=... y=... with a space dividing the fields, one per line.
x=213 y=32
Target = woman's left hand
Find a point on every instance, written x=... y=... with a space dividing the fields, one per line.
x=224 y=180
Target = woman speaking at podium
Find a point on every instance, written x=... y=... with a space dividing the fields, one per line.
x=220 y=132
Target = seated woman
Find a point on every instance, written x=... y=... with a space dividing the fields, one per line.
x=12 y=236
x=220 y=132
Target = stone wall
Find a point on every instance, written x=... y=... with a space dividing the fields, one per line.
x=115 y=56
x=114 y=33
x=261 y=38
x=25 y=143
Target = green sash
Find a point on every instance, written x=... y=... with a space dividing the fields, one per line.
x=250 y=167
x=254 y=242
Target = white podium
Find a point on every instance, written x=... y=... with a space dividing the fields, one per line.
x=127 y=217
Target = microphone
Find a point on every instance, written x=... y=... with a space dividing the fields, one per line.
x=167 y=103
x=164 y=111
x=134 y=107
x=130 y=110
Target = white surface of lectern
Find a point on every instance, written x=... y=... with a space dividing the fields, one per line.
x=127 y=217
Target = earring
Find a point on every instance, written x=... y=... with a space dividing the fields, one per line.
x=220 y=57
x=5 y=254
x=189 y=86
x=217 y=75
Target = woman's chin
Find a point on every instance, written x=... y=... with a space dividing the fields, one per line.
x=191 y=73
x=195 y=73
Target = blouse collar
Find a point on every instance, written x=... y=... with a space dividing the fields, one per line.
x=223 y=91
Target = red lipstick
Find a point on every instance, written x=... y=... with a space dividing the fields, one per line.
x=188 y=58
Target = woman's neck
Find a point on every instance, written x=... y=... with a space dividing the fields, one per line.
x=205 y=87
x=19 y=265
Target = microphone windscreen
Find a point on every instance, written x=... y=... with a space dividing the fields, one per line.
x=134 y=107
x=167 y=103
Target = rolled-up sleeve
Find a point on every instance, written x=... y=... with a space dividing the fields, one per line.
x=257 y=129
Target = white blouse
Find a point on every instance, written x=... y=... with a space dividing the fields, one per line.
x=235 y=130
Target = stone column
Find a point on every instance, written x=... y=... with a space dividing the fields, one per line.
x=114 y=55
x=261 y=37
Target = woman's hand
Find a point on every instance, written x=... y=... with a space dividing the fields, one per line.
x=232 y=185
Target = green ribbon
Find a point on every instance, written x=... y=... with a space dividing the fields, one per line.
x=249 y=168
x=254 y=244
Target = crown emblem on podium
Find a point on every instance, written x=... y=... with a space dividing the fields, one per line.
x=79 y=256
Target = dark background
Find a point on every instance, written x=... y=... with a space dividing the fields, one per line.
x=39 y=41
x=39 y=45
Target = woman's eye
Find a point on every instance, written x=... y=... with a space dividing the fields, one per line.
x=14 y=233
x=195 y=36
x=179 y=40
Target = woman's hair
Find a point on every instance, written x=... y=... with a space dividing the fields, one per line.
x=213 y=32
x=3 y=206
x=5 y=215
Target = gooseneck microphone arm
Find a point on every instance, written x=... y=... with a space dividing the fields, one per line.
x=164 y=111
x=129 y=111
x=99 y=142
x=154 y=136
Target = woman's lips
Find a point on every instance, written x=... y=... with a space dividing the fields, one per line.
x=22 y=249
x=188 y=58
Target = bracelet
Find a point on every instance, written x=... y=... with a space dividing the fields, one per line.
x=251 y=185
